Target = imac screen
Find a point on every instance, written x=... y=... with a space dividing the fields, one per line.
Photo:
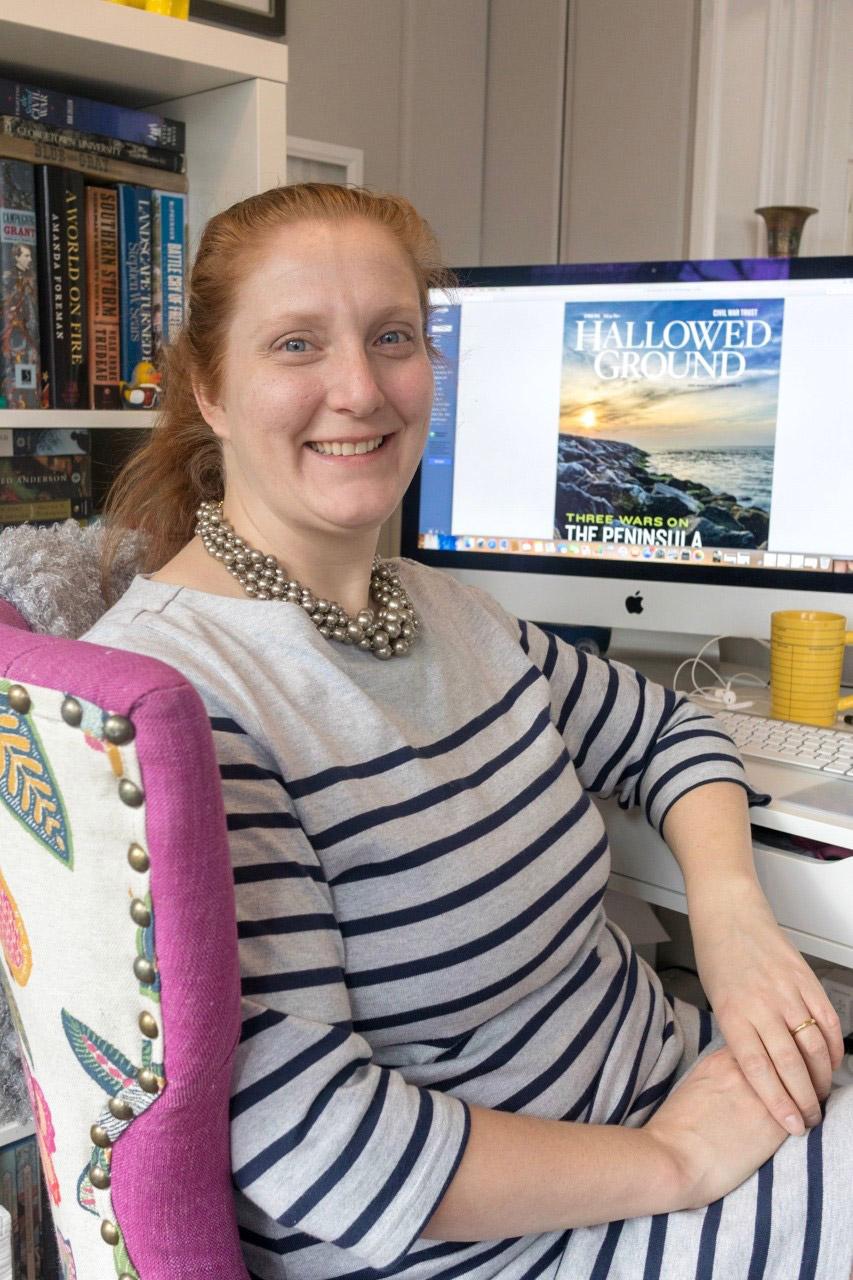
x=683 y=420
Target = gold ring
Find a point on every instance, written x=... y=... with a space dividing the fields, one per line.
x=809 y=1022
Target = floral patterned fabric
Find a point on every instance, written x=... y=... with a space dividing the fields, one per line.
x=76 y=1003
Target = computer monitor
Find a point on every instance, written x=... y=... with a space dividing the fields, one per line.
x=658 y=445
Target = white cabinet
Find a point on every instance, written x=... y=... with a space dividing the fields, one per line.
x=229 y=88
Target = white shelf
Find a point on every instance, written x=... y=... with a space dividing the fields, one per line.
x=85 y=419
x=125 y=55
x=15 y=1132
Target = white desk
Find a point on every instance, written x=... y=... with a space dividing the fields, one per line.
x=812 y=900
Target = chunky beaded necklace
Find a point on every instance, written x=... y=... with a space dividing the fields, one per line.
x=387 y=631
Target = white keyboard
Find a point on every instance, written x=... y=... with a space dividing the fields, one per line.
x=828 y=751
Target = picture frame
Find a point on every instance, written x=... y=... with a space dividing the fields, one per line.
x=254 y=17
x=320 y=162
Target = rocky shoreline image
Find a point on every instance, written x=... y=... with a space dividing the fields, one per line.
x=609 y=477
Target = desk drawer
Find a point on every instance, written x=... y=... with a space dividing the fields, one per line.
x=812 y=900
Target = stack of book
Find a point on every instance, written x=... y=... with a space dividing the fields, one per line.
x=92 y=249
x=45 y=475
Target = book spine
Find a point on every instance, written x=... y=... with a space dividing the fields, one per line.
x=77 y=394
x=32 y=482
x=43 y=441
x=130 y=342
x=169 y=267
x=43 y=513
x=103 y=289
x=100 y=168
x=62 y=274
x=146 y=246
x=53 y=302
x=65 y=111
x=110 y=148
x=156 y=277
x=174 y=263
x=20 y=372
x=135 y=257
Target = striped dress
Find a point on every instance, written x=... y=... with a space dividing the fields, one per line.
x=419 y=872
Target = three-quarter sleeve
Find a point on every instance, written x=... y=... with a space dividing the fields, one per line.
x=628 y=736
x=323 y=1139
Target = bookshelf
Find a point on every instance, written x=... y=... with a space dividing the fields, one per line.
x=229 y=88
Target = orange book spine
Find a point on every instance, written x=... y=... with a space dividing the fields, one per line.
x=104 y=307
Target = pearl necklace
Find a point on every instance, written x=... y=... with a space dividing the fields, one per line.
x=388 y=631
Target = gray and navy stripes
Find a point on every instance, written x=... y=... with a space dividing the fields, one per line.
x=419 y=873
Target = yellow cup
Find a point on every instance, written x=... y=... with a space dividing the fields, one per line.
x=172 y=8
x=806 y=657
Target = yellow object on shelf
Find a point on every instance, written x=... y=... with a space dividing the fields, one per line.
x=171 y=8
x=806 y=657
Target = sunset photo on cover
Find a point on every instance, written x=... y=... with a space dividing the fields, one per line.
x=667 y=422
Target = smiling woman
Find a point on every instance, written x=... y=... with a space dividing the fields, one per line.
x=452 y=1064
x=299 y=398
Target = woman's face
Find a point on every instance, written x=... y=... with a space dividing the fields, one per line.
x=325 y=358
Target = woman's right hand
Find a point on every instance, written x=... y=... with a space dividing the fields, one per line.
x=717 y=1129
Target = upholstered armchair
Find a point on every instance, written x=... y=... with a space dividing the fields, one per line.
x=118 y=931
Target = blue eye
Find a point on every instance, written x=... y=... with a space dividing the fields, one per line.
x=396 y=337
x=295 y=345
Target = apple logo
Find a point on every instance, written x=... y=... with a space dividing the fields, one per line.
x=634 y=603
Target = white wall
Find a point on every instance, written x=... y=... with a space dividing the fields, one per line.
x=461 y=105
x=775 y=94
x=405 y=82
x=629 y=126
x=525 y=95
x=458 y=104
x=670 y=119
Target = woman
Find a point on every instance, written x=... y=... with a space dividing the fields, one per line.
x=451 y=1065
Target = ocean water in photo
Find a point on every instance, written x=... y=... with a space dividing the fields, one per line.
x=746 y=471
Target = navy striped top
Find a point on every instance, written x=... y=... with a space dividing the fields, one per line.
x=419 y=872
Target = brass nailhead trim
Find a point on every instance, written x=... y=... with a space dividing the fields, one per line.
x=100 y=1137
x=138 y=858
x=130 y=794
x=144 y=970
x=147 y=1080
x=99 y=1178
x=148 y=1026
x=120 y=1109
x=71 y=712
x=19 y=699
x=139 y=913
x=109 y=1232
x=119 y=730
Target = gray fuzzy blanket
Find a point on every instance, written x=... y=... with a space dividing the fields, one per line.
x=52 y=574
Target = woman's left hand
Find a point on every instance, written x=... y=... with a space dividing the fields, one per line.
x=761 y=989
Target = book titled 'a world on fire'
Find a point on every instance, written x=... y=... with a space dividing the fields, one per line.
x=668 y=421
